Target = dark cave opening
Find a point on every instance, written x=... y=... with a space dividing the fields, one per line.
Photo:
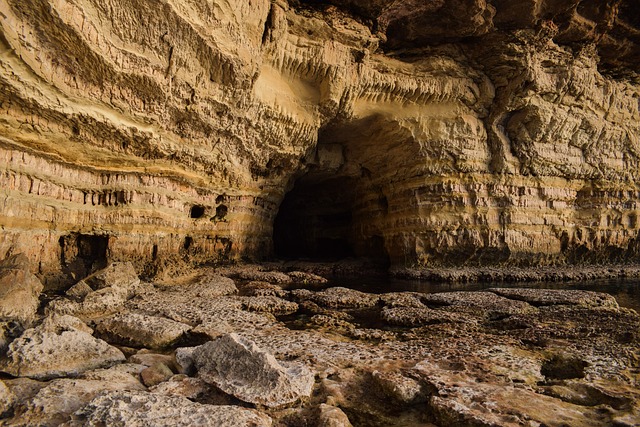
x=318 y=220
x=82 y=254
x=315 y=221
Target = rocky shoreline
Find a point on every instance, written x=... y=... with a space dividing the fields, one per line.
x=268 y=345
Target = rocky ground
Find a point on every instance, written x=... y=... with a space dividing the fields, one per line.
x=260 y=346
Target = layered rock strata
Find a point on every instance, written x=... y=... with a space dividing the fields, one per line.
x=456 y=132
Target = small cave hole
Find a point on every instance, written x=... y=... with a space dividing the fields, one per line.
x=221 y=212
x=188 y=241
x=154 y=252
x=197 y=211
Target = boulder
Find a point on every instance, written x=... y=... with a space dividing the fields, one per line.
x=139 y=330
x=61 y=346
x=19 y=290
x=136 y=408
x=238 y=367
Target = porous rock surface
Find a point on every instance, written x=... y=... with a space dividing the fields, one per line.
x=60 y=347
x=238 y=367
x=437 y=133
x=139 y=330
x=133 y=408
x=500 y=357
x=19 y=290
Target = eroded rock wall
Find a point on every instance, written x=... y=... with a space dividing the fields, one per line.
x=464 y=131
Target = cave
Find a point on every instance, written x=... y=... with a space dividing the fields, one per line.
x=315 y=221
x=82 y=254
x=332 y=212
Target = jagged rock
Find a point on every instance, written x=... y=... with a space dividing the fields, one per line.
x=330 y=416
x=337 y=298
x=238 y=367
x=61 y=346
x=140 y=408
x=139 y=330
x=58 y=399
x=19 y=290
x=7 y=399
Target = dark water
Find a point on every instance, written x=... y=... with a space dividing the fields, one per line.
x=625 y=291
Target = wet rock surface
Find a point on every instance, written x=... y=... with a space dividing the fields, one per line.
x=332 y=357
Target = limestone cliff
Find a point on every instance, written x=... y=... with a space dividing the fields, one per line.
x=456 y=132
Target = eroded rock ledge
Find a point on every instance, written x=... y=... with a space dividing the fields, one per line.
x=270 y=352
x=456 y=132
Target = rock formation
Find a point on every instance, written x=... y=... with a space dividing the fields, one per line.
x=458 y=132
x=501 y=357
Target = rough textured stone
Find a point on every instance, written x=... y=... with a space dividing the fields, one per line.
x=238 y=367
x=139 y=330
x=147 y=409
x=19 y=290
x=116 y=275
x=183 y=386
x=155 y=374
x=330 y=416
x=541 y=297
x=338 y=297
x=59 y=399
x=7 y=399
x=58 y=348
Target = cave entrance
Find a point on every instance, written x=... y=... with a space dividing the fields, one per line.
x=315 y=220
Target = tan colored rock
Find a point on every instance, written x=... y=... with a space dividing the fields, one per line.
x=155 y=374
x=59 y=399
x=7 y=399
x=140 y=408
x=139 y=330
x=238 y=367
x=19 y=290
x=58 y=348
x=330 y=416
x=183 y=386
